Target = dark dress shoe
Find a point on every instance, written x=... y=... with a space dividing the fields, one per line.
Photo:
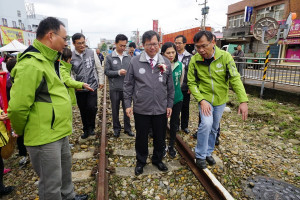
x=210 y=160
x=91 y=132
x=201 y=163
x=129 y=133
x=186 y=130
x=172 y=152
x=138 y=170
x=217 y=142
x=85 y=135
x=117 y=134
x=81 y=197
x=6 y=190
x=161 y=166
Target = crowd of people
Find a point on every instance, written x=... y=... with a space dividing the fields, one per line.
x=152 y=85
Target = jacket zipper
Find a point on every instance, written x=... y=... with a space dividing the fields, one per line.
x=53 y=119
x=212 y=85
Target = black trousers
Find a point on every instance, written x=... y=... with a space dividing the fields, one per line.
x=21 y=146
x=87 y=103
x=185 y=110
x=174 y=122
x=143 y=123
x=115 y=98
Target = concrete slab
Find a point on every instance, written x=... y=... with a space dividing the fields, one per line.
x=81 y=176
x=83 y=141
x=219 y=162
x=83 y=155
x=129 y=152
x=125 y=136
x=148 y=169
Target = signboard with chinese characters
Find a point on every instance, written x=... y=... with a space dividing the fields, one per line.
x=155 y=25
x=248 y=13
x=289 y=41
x=295 y=29
x=10 y=34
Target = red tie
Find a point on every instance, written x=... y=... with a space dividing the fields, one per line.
x=151 y=63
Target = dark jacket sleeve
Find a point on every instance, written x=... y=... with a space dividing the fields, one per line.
x=109 y=70
x=170 y=88
x=128 y=86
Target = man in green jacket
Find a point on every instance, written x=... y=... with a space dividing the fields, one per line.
x=40 y=109
x=210 y=72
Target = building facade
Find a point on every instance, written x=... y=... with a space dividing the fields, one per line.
x=239 y=32
x=19 y=21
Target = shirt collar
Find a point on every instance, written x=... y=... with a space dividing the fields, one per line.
x=155 y=58
x=76 y=52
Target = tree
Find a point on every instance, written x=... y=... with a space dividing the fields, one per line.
x=104 y=47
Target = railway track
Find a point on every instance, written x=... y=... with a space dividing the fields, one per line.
x=110 y=171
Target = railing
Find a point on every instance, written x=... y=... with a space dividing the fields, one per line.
x=277 y=73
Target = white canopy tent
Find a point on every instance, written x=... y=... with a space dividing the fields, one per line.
x=15 y=45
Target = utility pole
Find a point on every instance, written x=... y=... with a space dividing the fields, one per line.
x=204 y=12
x=204 y=15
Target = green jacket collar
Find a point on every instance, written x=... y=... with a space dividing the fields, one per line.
x=48 y=53
x=66 y=64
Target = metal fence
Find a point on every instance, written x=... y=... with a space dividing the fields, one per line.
x=277 y=73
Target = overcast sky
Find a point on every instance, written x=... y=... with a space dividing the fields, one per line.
x=105 y=19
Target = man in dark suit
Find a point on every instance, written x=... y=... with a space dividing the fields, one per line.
x=149 y=84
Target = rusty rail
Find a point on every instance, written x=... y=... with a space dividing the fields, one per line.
x=213 y=187
x=102 y=183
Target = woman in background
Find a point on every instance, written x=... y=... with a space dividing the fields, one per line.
x=169 y=50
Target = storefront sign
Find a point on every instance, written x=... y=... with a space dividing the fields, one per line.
x=248 y=13
x=295 y=29
x=289 y=41
x=10 y=34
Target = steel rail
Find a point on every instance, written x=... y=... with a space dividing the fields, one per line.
x=213 y=187
x=102 y=182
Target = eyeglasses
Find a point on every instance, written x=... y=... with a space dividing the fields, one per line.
x=203 y=46
x=153 y=45
x=178 y=43
x=64 y=38
x=80 y=43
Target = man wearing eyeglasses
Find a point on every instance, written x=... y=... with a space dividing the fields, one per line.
x=116 y=66
x=149 y=84
x=86 y=68
x=184 y=56
x=210 y=72
x=40 y=109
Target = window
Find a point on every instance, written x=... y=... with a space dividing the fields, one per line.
x=275 y=12
x=29 y=28
x=4 y=22
x=14 y=24
x=22 y=26
x=236 y=21
x=19 y=13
